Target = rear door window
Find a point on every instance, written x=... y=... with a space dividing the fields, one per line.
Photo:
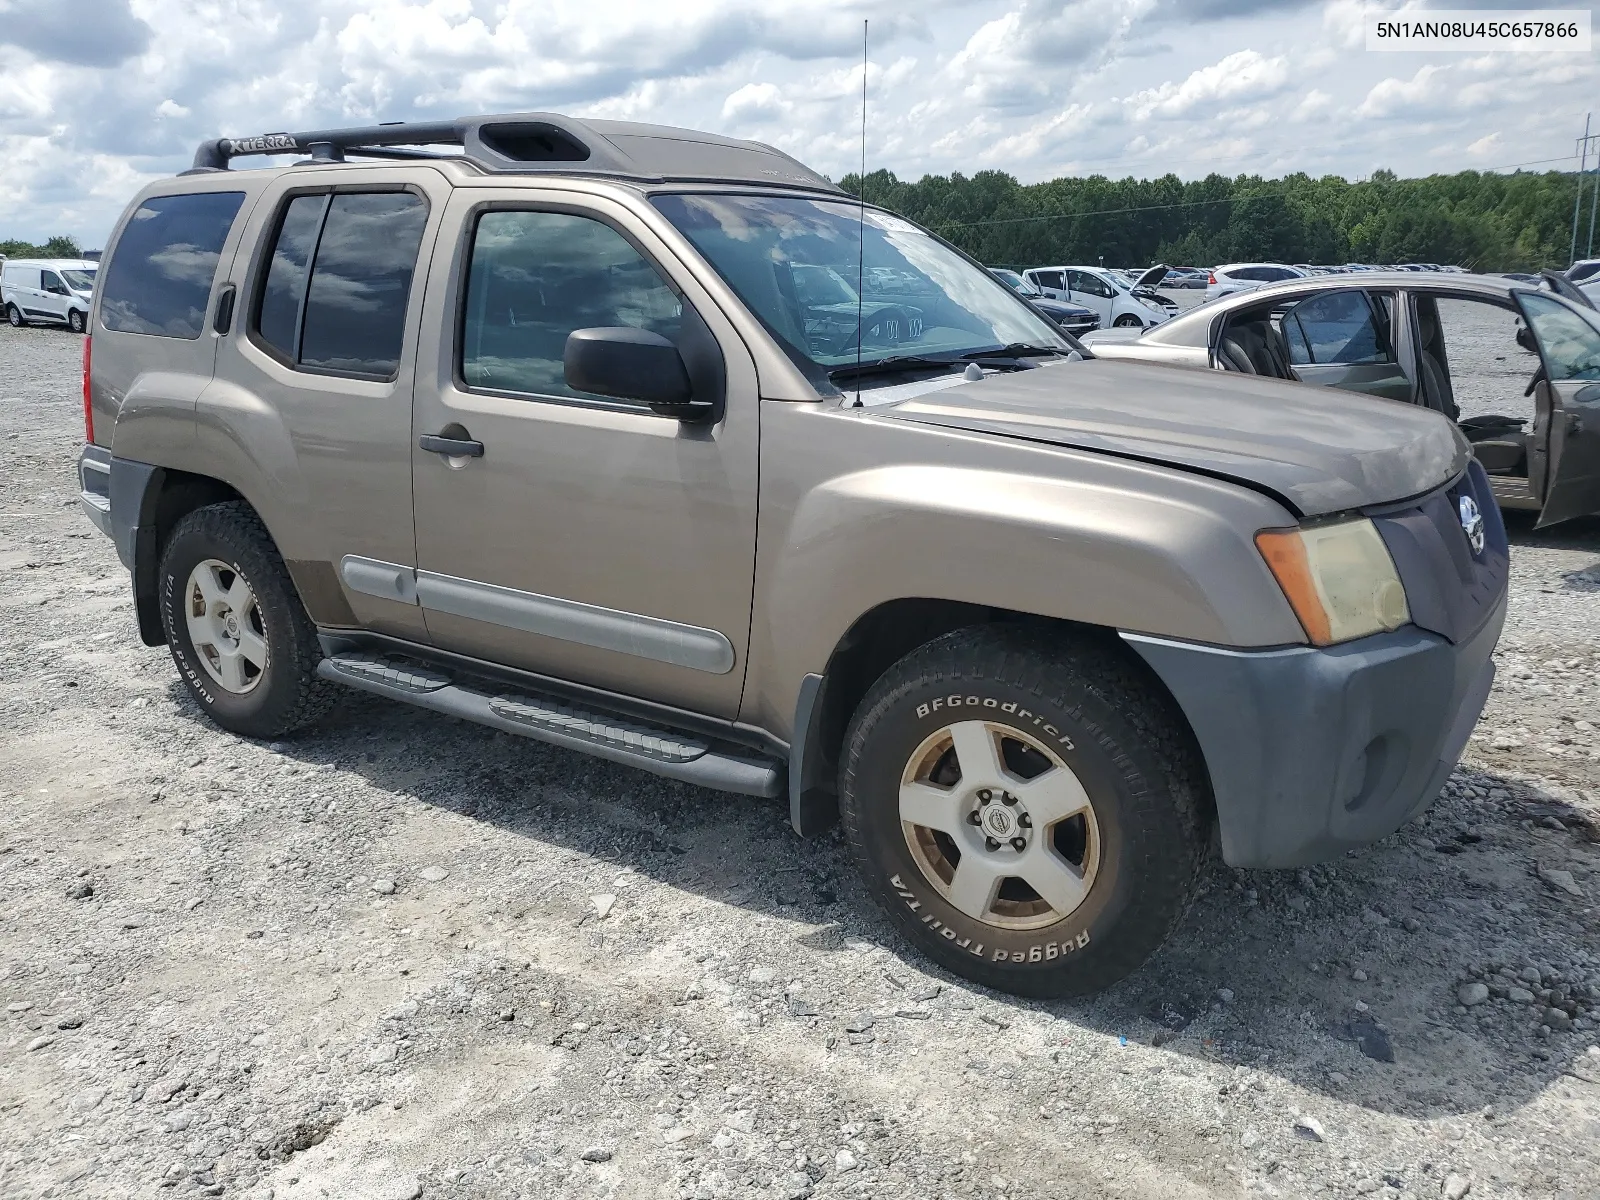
x=1336 y=327
x=160 y=275
x=1049 y=279
x=347 y=314
x=283 y=294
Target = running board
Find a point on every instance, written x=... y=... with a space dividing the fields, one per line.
x=622 y=740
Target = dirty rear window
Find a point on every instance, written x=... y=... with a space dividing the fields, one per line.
x=160 y=275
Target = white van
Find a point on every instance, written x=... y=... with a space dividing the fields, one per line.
x=57 y=290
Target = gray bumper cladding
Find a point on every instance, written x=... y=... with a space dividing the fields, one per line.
x=1314 y=752
x=94 y=487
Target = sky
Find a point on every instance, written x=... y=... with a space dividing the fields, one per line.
x=99 y=97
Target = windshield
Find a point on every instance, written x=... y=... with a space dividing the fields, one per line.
x=79 y=281
x=798 y=264
x=1016 y=283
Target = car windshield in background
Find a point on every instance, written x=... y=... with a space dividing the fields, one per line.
x=1016 y=283
x=79 y=281
x=800 y=265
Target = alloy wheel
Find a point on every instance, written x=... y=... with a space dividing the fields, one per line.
x=225 y=626
x=999 y=825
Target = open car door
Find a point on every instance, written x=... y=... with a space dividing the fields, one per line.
x=1567 y=420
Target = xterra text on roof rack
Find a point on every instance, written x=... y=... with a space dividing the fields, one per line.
x=656 y=445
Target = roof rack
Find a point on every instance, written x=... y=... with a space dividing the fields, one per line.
x=523 y=143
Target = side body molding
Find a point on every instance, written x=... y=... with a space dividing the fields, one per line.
x=550 y=616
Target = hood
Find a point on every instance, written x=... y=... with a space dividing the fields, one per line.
x=1152 y=277
x=1317 y=450
x=1059 y=307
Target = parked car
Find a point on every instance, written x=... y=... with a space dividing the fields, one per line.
x=56 y=291
x=1584 y=270
x=1230 y=278
x=1184 y=278
x=1115 y=301
x=1385 y=337
x=489 y=434
x=1074 y=318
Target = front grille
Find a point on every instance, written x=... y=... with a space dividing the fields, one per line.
x=1451 y=591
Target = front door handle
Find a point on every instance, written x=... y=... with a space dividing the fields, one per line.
x=451 y=447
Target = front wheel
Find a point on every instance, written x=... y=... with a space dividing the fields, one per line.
x=75 y=321
x=14 y=315
x=1027 y=809
x=238 y=634
x=1127 y=321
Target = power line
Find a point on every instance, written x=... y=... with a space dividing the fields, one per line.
x=1106 y=212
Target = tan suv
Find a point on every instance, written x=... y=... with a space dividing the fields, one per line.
x=656 y=445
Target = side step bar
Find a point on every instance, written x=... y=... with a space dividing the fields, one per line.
x=543 y=718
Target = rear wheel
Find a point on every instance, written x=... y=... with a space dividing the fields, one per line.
x=1027 y=810
x=75 y=321
x=1127 y=320
x=14 y=315
x=238 y=634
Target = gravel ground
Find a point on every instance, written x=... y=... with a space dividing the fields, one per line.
x=405 y=956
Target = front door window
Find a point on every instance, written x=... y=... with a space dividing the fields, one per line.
x=1570 y=342
x=534 y=277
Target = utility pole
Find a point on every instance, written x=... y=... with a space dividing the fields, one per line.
x=1594 y=194
x=1578 y=200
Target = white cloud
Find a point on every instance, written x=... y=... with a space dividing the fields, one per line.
x=755 y=102
x=1244 y=75
x=1489 y=143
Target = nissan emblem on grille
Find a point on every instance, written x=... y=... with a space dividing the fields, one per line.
x=1471 y=522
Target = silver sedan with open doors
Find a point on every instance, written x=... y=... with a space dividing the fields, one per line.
x=1533 y=347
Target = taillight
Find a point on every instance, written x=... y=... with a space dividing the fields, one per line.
x=1211 y=279
x=88 y=408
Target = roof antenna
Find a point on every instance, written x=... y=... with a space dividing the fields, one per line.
x=861 y=225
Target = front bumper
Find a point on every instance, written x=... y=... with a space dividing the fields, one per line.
x=1314 y=752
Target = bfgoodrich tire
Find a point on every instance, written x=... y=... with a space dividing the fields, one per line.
x=242 y=642
x=1027 y=808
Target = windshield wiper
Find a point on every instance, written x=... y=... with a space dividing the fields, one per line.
x=1014 y=350
x=895 y=362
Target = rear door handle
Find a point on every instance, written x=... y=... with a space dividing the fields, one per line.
x=451 y=447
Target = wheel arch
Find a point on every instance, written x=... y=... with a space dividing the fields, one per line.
x=147 y=502
x=877 y=640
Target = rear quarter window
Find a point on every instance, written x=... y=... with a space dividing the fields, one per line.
x=160 y=275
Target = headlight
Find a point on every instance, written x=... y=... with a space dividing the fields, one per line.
x=1339 y=579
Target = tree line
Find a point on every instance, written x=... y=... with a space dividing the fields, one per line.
x=56 y=247
x=1479 y=220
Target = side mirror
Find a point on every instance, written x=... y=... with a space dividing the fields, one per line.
x=633 y=364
